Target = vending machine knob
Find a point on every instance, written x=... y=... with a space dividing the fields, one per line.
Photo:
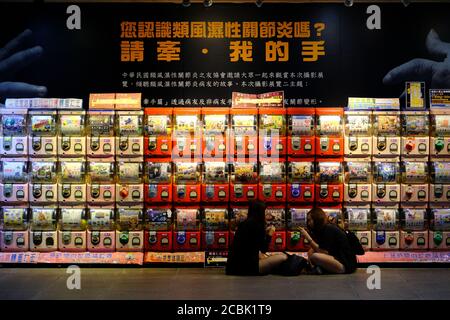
x=437 y=238
x=439 y=145
x=420 y=241
x=36 y=144
x=409 y=146
x=409 y=238
x=78 y=241
x=48 y=147
x=152 y=239
x=380 y=237
x=295 y=237
x=37 y=238
x=49 y=241
x=107 y=241
x=95 y=238
x=8 y=238
x=352 y=192
x=307 y=147
x=107 y=194
x=364 y=241
x=409 y=192
x=381 y=144
x=19 y=147
x=66 y=238
x=37 y=192
x=95 y=144
x=123 y=145
x=95 y=192
x=124 y=192
x=124 y=238
x=20 y=241
x=65 y=145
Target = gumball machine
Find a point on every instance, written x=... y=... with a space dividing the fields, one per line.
x=101 y=235
x=72 y=182
x=14 y=229
x=329 y=186
x=215 y=133
x=415 y=134
x=358 y=134
x=439 y=229
x=386 y=134
x=129 y=229
x=276 y=216
x=158 y=184
x=43 y=229
x=414 y=187
x=272 y=186
x=186 y=235
x=42 y=141
x=13 y=134
x=13 y=181
x=440 y=132
x=129 y=134
x=358 y=221
x=440 y=183
x=158 y=229
x=385 y=232
x=72 y=229
x=358 y=182
x=187 y=183
x=215 y=226
x=43 y=181
x=100 y=134
x=130 y=186
x=71 y=134
x=187 y=134
x=301 y=132
x=244 y=133
x=414 y=229
x=244 y=181
x=296 y=217
x=101 y=189
x=215 y=186
x=272 y=132
x=386 y=183
x=300 y=180
x=158 y=132
x=329 y=139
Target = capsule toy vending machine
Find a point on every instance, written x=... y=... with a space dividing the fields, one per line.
x=186 y=236
x=187 y=134
x=297 y=217
x=101 y=188
x=244 y=133
x=158 y=132
x=158 y=181
x=13 y=181
x=14 y=236
x=129 y=229
x=439 y=238
x=238 y=213
x=335 y=215
x=300 y=180
x=386 y=183
x=440 y=183
x=216 y=132
x=276 y=216
x=14 y=133
x=329 y=181
x=216 y=181
x=358 y=134
x=359 y=222
x=301 y=141
x=414 y=187
x=272 y=132
x=215 y=233
x=101 y=234
x=72 y=226
x=386 y=133
x=130 y=186
x=42 y=140
x=100 y=134
x=414 y=229
x=43 y=229
x=440 y=132
x=71 y=134
x=72 y=182
x=158 y=232
x=129 y=134
x=385 y=229
x=329 y=131
x=43 y=188
x=187 y=181
x=272 y=185
x=358 y=182
x=244 y=181
x=415 y=134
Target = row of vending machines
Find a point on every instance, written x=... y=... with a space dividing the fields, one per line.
x=44 y=229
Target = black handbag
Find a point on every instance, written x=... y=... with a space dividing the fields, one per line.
x=292 y=266
x=355 y=245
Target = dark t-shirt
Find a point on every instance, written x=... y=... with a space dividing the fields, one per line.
x=334 y=240
x=243 y=256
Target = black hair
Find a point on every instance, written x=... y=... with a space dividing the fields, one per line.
x=257 y=212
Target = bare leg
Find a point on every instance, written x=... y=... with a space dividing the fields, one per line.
x=327 y=262
x=268 y=264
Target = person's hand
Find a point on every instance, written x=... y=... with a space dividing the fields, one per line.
x=270 y=230
x=305 y=234
x=13 y=57
x=436 y=73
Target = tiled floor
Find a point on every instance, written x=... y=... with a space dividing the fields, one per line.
x=199 y=283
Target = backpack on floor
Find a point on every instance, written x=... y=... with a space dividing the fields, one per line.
x=292 y=266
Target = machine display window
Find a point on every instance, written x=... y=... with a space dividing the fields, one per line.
x=416 y=125
x=158 y=125
x=216 y=219
x=159 y=172
x=272 y=123
x=72 y=125
x=298 y=218
x=129 y=219
x=333 y=215
x=187 y=124
x=101 y=219
x=130 y=172
x=302 y=125
x=130 y=125
x=441 y=219
x=358 y=172
x=14 y=218
x=72 y=171
x=276 y=218
x=301 y=172
x=330 y=172
x=387 y=125
x=43 y=219
x=14 y=171
x=158 y=219
x=272 y=172
x=43 y=125
x=442 y=125
x=72 y=219
x=415 y=172
x=358 y=219
x=187 y=173
x=358 y=125
x=414 y=219
x=215 y=124
x=245 y=173
x=244 y=124
x=386 y=172
x=386 y=219
x=101 y=125
x=187 y=219
x=441 y=172
x=216 y=172
x=239 y=215
x=43 y=171
x=14 y=125
x=330 y=125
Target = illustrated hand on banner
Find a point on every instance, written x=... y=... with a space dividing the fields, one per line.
x=12 y=59
x=436 y=73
